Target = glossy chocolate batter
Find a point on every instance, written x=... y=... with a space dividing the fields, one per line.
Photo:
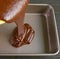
x=14 y=11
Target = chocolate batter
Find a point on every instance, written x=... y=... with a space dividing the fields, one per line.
x=14 y=11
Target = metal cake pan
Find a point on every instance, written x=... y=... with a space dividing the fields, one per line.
x=46 y=41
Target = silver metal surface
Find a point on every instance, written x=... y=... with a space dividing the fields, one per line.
x=46 y=42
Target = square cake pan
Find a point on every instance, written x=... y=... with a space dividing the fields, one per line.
x=45 y=43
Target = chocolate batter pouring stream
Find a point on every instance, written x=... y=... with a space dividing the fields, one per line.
x=14 y=11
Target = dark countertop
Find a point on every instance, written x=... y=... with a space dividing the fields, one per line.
x=56 y=5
